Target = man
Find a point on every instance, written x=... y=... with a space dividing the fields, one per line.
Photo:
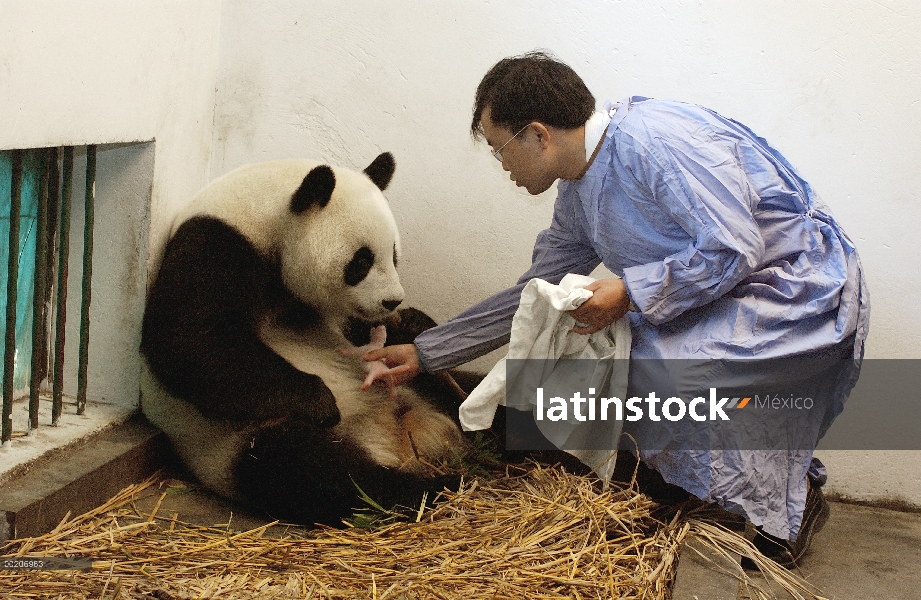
x=724 y=252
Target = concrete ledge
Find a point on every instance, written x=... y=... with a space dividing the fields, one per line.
x=25 y=450
x=81 y=479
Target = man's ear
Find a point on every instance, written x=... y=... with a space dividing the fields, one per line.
x=543 y=134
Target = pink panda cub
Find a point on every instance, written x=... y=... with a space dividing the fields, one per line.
x=376 y=369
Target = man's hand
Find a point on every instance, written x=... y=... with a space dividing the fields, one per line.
x=608 y=303
x=402 y=361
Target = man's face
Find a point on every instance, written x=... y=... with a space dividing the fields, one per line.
x=524 y=157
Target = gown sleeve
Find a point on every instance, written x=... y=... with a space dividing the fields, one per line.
x=696 y=177
x=487 y=325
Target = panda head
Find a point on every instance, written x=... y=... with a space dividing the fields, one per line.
x=339 y=243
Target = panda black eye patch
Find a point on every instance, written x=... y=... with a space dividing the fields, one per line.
x=358 y=267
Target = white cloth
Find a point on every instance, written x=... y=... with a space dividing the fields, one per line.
x=541 y=329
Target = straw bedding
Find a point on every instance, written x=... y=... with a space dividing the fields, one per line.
x=543 y=533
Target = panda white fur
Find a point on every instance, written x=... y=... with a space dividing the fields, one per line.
x=262 y=277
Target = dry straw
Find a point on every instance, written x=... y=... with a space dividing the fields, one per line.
x=541 y=534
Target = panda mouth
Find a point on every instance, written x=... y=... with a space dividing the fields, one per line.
x=356 y=327
x=378 y=318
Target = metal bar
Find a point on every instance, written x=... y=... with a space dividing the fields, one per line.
x=51 y=228
x=67 y=184
x=38 y=292
x=87 y=276
x=51 y=256
x=9 y=352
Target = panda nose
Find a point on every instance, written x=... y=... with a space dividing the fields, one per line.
x=391 y=304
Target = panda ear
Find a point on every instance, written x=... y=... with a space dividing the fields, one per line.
x=381 y=170
x=317 y=188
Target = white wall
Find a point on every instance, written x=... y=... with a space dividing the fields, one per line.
x=836 y=86
x=106 y=72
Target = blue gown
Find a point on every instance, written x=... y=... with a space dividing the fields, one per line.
x=727 y=253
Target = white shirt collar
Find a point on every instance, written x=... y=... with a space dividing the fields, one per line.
x=595 y=127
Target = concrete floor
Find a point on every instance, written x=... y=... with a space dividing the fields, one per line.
x=863 y=553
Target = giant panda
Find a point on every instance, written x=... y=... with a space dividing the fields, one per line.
x=268 y=273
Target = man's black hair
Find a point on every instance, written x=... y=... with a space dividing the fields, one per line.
x=532 y=87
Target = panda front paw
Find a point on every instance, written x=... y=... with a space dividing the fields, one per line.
x=323 y=409
x=405 y=324
x=316 y=404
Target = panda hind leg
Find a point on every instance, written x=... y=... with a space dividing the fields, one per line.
x=300 y=473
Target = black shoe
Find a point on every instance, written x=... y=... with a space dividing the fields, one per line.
x=815 y=515
x=784 y=553
x=773 y=548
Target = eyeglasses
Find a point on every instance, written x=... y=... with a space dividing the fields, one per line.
x=498 y=153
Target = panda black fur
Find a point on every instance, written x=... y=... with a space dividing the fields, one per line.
x=263 y=273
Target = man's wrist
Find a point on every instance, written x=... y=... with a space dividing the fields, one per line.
x=632 y=307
